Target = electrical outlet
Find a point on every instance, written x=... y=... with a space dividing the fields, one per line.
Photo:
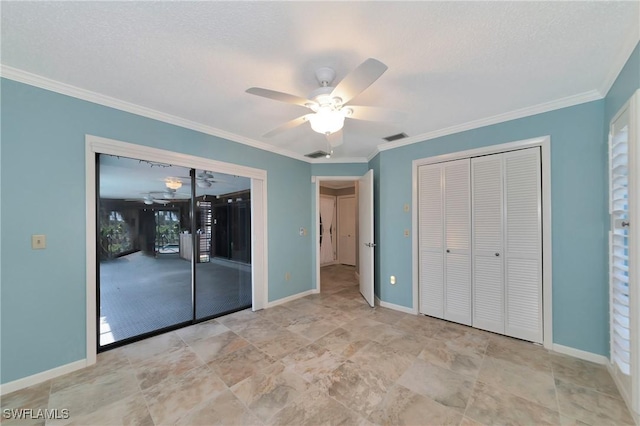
x=406 y=232
x=406 y=208
x=287 y=276
x=38 y=242
x=392 y=280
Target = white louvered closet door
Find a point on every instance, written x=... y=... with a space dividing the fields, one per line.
x=431 y=247
x=457 y=229
x=523 y=244
x=488 y=252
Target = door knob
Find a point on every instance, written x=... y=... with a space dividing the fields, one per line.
x=448 y=251
x=497 y=254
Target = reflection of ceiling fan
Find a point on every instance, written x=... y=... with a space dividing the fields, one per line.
x=328 y=104
x=203 y=179
x=161 y=197
x=149 y=199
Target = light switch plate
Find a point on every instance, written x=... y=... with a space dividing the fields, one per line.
x=38 y=242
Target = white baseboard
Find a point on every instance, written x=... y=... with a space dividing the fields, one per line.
x=394 y=306
x=38 y=378
x=292 y=298
x=577 y=353
x=624 y=393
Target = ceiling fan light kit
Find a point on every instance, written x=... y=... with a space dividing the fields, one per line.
x=327 y=120
x=173 y=183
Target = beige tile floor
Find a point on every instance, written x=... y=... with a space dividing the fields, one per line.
x=330 y=359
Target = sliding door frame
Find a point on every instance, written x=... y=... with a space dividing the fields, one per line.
x=259 y=266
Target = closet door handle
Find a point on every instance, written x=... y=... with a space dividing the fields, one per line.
x=497 y=254
x=448 y=251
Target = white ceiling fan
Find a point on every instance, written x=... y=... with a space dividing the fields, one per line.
x=329 y=105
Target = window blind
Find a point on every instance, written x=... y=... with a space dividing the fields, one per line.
x=619 y=244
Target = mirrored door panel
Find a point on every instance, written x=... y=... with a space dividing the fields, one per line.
x=144 y=267
x=223 y=232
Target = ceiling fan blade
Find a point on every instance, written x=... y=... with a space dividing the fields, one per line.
x=358 y=80
x=279 y=96
x=288 y=125
x=335 y=138
x=375 y=114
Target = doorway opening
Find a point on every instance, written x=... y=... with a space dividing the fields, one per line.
x=344 y=227
x=337 y=229
x=162 y=262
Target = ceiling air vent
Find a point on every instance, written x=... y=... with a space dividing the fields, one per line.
x=317 y=154
x=395 y=137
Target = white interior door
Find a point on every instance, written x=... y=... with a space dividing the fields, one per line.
x=347 y=230
x=457 y=225
x=488 y=253
x=431 y=240
x=327 y=210
x=523 y=244
x=365 y=236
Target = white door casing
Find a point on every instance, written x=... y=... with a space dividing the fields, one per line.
x=543 y=299
x=366 y=236
x=624 y=251
x=505 y=239
x=259 y=239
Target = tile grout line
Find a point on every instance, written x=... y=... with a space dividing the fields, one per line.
x=144 y=398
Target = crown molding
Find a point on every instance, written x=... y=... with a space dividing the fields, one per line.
x=31 y=79
x=36 y=80
x=568 y=101
x=339 y=160
x=373 y=153
x=621 y=59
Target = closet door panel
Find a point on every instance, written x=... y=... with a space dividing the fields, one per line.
x=431 y=240
x=523 y=244
x=458 y=288
x=432 y=284
x=457 y=226
x=487 y=239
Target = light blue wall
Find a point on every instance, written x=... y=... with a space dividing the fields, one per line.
x=626 y=84
x=339 y=169
x=579 y=208
x=328 y=169
x=43 y=178
x=578 y=172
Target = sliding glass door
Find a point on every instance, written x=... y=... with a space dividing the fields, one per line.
x=223 y=270
x=158 y=267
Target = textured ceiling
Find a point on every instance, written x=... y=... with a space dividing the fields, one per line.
x=450 y=63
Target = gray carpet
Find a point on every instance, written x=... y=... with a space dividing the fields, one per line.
x=140 y=293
